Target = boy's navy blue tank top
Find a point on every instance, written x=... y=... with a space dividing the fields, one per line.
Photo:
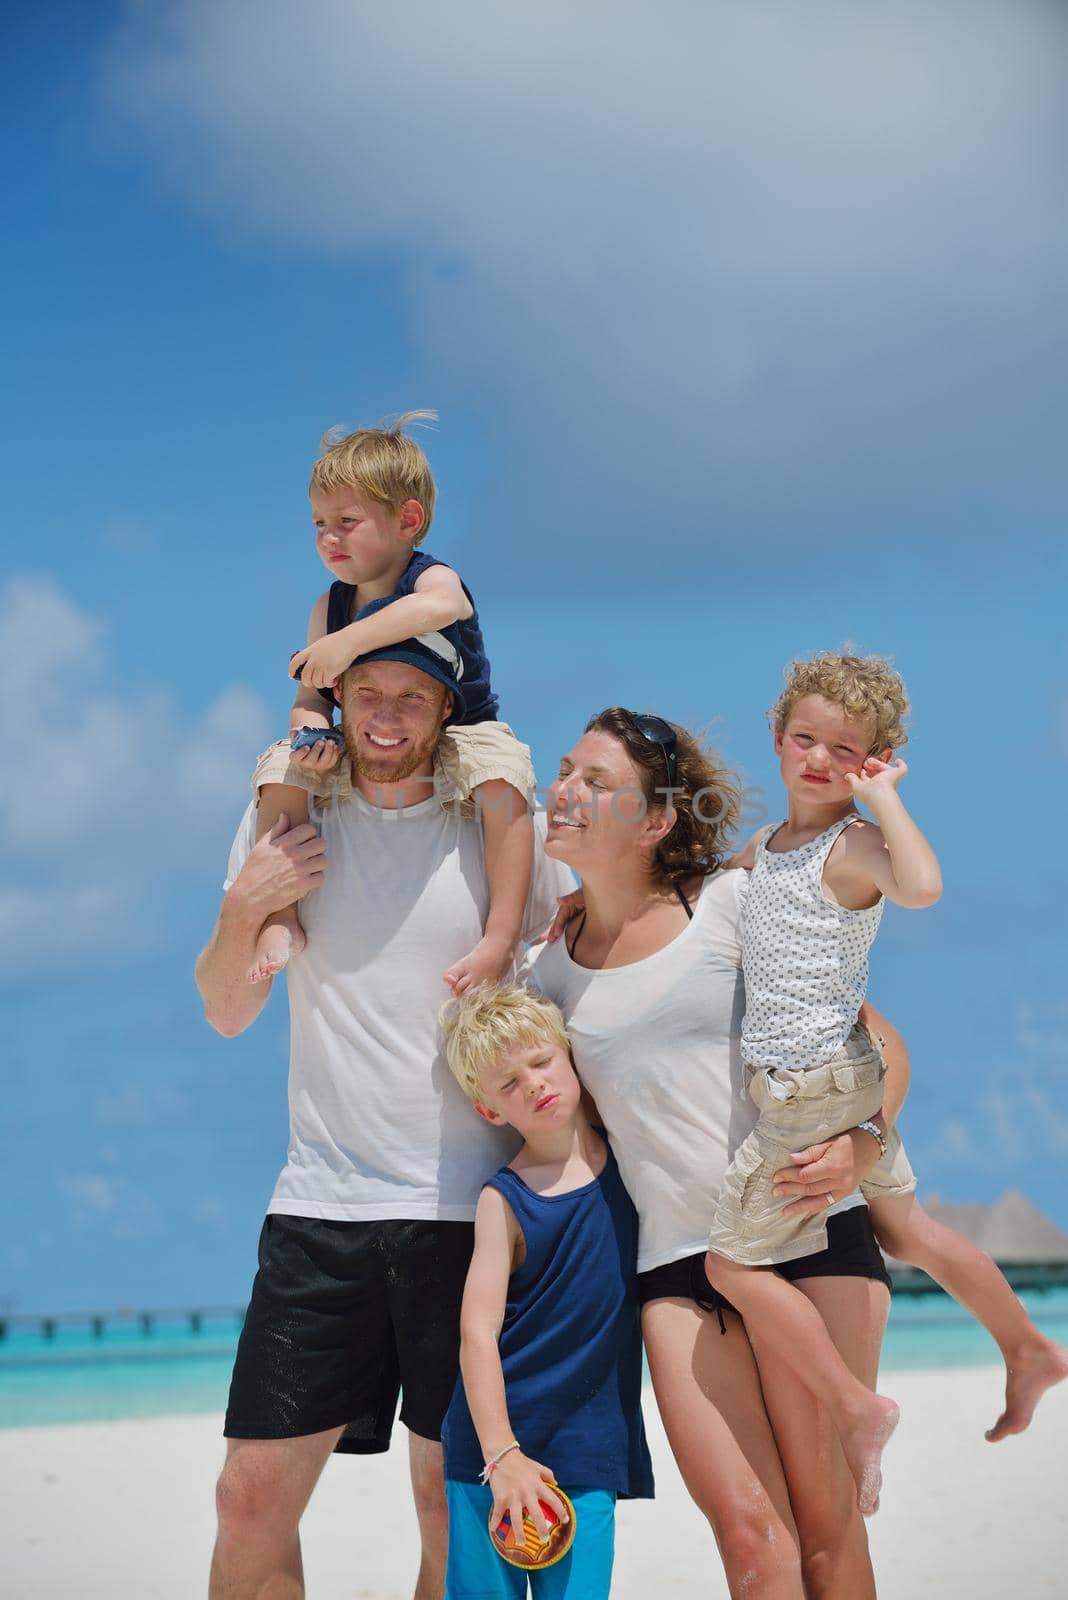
x=480 y=702
x=570 y=1343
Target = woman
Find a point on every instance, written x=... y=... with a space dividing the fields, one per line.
x=648 y=978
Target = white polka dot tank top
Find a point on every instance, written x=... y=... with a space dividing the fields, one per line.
x=805 y=959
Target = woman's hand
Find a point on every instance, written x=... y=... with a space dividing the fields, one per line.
x=518 y=1483
x=832 y=1168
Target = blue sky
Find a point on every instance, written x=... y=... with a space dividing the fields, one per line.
x=748 y=338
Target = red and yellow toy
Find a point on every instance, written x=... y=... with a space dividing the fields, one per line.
x=532 y=1551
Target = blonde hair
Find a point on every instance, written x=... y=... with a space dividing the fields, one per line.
x=484 y=1023
x=863 y=686
x=384 y=462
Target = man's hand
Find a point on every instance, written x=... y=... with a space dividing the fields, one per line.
x=282 y=867
x=833 y=1167
x=320 y=665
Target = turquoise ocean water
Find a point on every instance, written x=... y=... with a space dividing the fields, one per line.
x=171 y=1371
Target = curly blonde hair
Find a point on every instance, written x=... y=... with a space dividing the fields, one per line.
x=705 y=796
x=478 y=1028
x=383 y=462
x=866 y=687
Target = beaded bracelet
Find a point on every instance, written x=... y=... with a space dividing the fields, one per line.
x=484 y=1475
x=877 y=1134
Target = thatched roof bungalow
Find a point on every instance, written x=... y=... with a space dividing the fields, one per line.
x=1032 y=1250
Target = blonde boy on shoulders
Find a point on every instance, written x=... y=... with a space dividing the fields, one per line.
x=372 y=499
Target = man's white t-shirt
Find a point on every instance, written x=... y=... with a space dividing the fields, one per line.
x=379 y=1128
x=656 y=1044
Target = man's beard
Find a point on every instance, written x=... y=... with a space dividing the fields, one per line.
x=387 y=770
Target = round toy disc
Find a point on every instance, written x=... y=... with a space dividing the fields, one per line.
x=530 y=1552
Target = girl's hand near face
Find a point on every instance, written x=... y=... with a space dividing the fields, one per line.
x=875 y=779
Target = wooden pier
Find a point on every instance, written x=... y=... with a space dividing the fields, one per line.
x=906 y=1281
x=191 y=1318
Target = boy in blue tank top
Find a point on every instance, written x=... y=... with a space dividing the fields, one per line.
x=372 y=498
x=818 y=881
x=550 y=1353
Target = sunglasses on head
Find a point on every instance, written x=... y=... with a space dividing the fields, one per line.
x=660 y=733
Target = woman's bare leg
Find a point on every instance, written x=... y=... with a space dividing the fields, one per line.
x=786 y=1320
x=281 y=935
x=834 y=1543
x=709 y=1395
x=1033 y=1363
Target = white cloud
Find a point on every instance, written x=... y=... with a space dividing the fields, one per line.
x=1060 y=733
x=957 y=1142
x=1013 y=1130
x=1042 y=1028
x=729 y=269
x=1042 y=1108
x=1015 y=1116
x=123 y=795
x=93 y=1192
x=130 y=536
x=136 y=1105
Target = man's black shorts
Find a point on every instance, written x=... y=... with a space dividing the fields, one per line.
x=851 y=1253
x=344 y=1317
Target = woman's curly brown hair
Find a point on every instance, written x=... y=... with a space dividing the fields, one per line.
x=706 y=796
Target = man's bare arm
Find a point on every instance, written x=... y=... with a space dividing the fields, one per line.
x=282 y=867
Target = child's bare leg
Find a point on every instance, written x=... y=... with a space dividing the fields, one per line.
x=1033 y=1363
x=508 y=842
x=787 y=1321
x=281 y=935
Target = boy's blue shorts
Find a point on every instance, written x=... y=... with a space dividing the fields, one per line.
x=476 y=1571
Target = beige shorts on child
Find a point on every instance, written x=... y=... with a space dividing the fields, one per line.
x=798 y=1109
x=465 y=757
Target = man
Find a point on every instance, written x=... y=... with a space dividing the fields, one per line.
x=368 y=1233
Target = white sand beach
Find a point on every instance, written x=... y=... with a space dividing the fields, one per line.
x=123 y=1510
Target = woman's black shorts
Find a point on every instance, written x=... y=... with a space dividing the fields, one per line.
x=344 y=1317
x=851 y=1253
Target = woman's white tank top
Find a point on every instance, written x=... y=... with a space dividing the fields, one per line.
x=804 y=957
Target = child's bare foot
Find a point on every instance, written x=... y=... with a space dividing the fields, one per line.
x=1033 y=1369
x=863 y=1442
x=276 y=943
x=486 y=963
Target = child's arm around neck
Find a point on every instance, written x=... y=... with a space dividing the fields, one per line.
x=310 y=709
x=438 y=599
